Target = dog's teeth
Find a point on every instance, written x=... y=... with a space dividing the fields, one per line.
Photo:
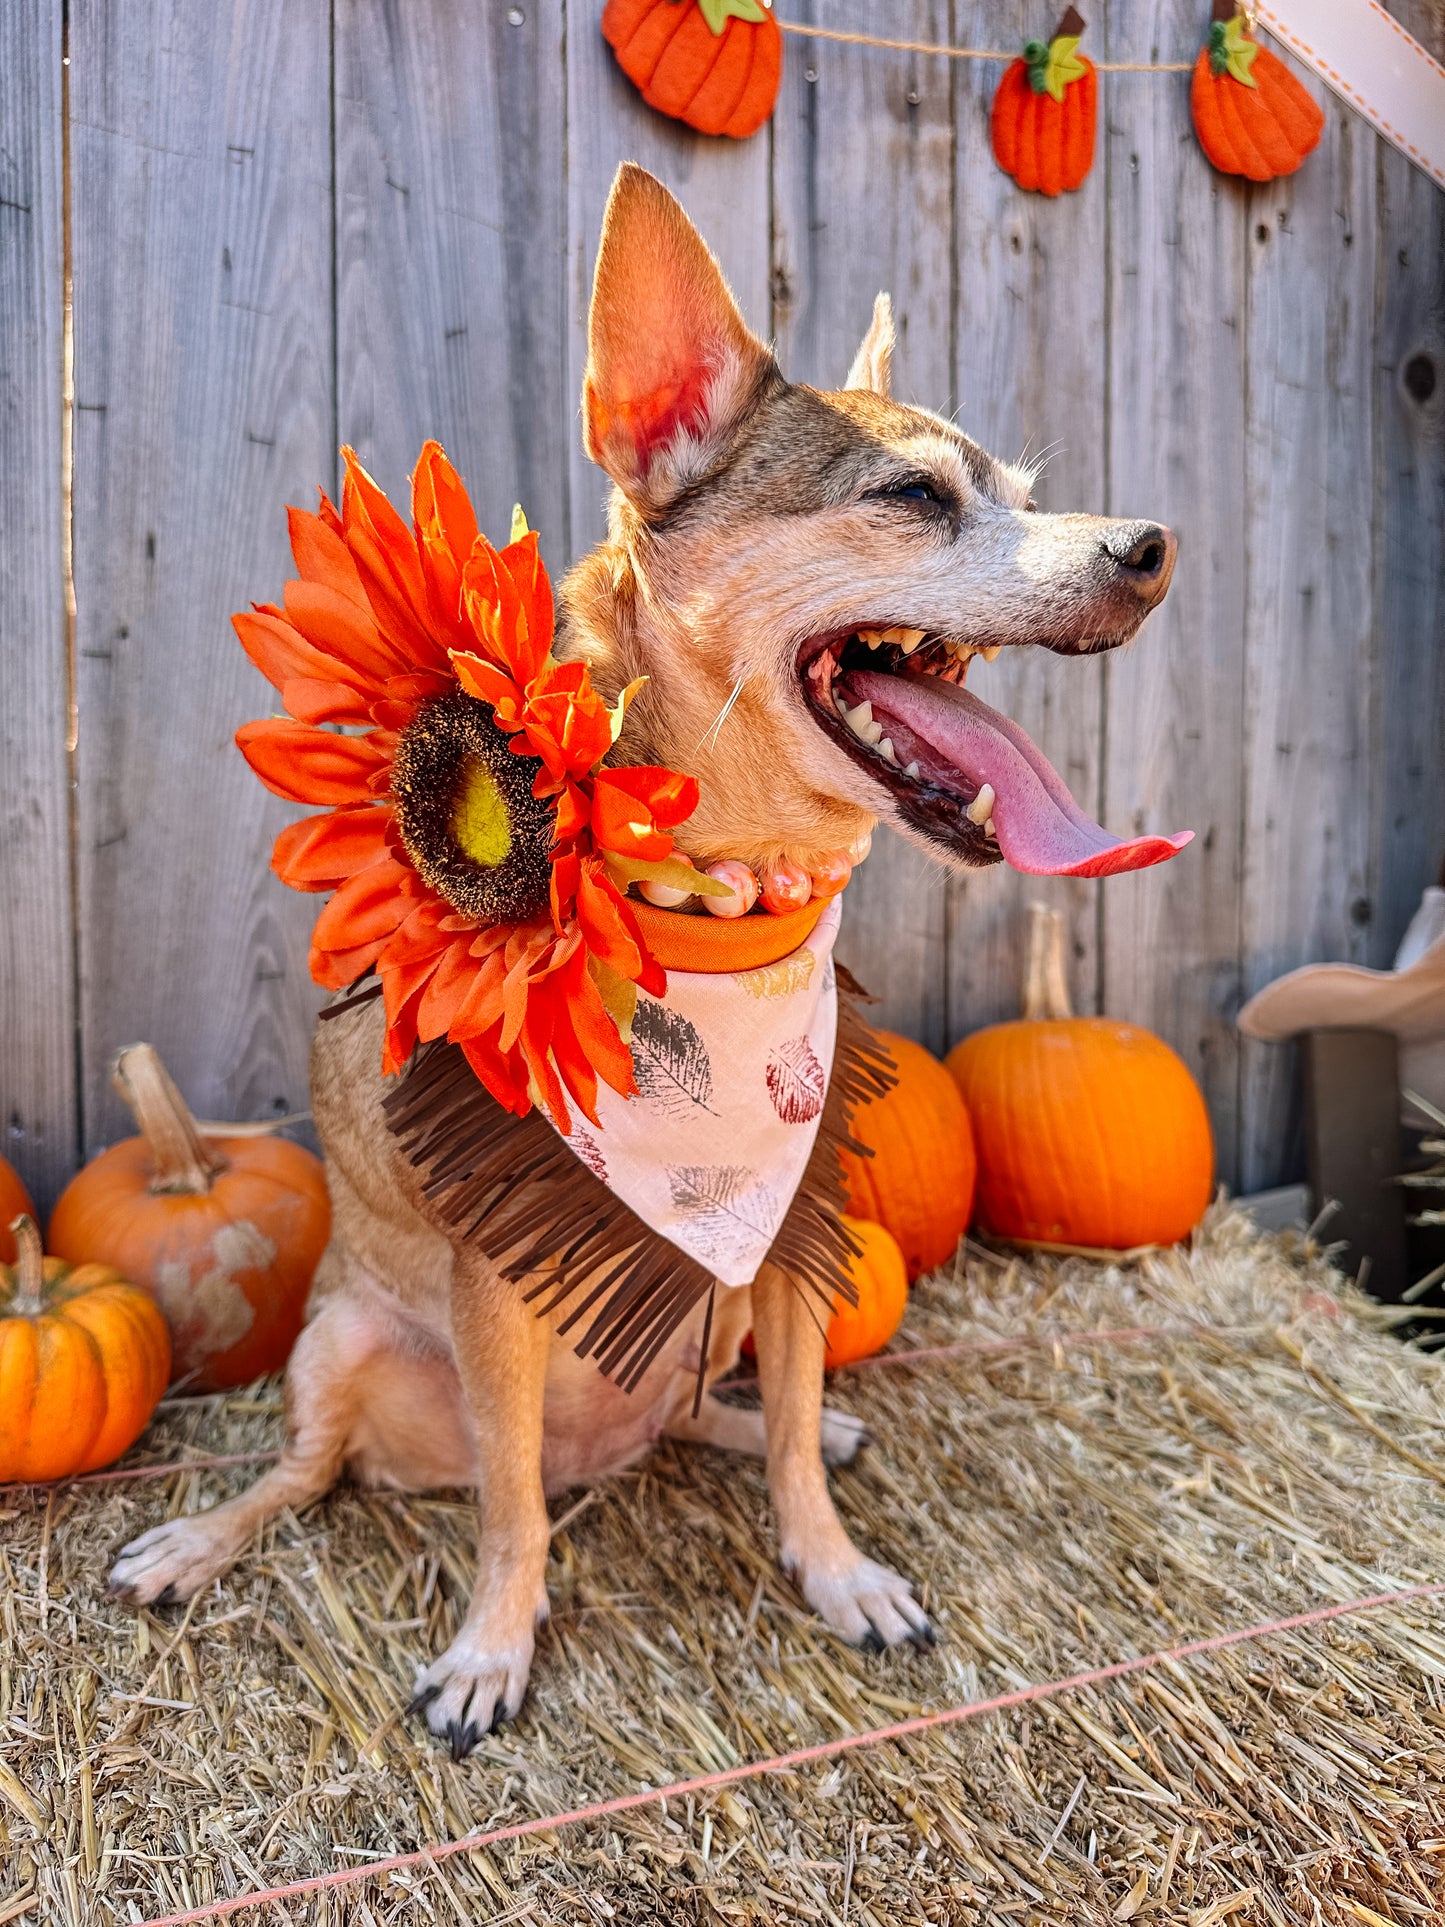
x=907 y=639
x=872 y=637
x=981 y=808
x=885 y=750
x=841 y=705
x=871 y=733
x=988 y=828
x=858 y=719
x=911 y=769
x=993 y=650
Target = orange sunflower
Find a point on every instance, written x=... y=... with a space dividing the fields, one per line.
x=478 y=851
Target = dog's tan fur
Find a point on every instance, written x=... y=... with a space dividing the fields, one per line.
x=745 y=518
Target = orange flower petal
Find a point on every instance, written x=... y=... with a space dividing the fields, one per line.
x=282 y=653
x=370 y=905
x=522 y=561
x=335 y=624
x=492 y=685
x=598 y=913
x=321 y=852
x=632 y=808
x=499 y=1074
x=324 y=702
x=335 y=969
x=322 y=556
x=307 y=765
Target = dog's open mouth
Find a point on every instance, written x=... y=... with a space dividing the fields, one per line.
x=958 y=771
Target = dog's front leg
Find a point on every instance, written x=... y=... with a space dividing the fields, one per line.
x=501 y=1353
x=866 y=1602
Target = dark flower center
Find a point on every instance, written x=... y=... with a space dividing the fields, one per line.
x=467 y=815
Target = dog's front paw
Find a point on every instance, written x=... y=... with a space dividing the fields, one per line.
x=842 y=1437
x=171 y=1561
x=479 y=1681
x=868 y=1604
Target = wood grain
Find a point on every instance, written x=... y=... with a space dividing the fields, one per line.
x=723 y=184
x=450 y=251
x=1309 y=466
x=848 y=117
x=202 y=246
x=1029 y=343
x=37 y=1090
x=1176 y=387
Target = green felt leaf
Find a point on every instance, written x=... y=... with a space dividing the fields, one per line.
x=717 y=13
x=1056 y=66
x=1231 y=51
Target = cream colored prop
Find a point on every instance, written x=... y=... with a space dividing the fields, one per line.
x=1366 y=56
x=1409 y=1000
x=732 y=1070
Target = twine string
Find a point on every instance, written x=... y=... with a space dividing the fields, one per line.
x=947 y=52
x=800 y=1757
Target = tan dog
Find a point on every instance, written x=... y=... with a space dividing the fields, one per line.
x=755 y=526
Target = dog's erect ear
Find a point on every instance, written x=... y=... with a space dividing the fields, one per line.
x=875 y=356
x=671 y=364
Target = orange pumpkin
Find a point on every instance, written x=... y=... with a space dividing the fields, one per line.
x=881 y=1276
x=1251 y=115
x=1092 y=1132
x=715 y=64
x=224 y=1232
x=1045 y=112
x=84 y=1357
x=919 y=1181
x=14 y=1202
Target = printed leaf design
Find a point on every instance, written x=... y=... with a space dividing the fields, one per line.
x=669 y=1059
x=778 y=979
x=589 y=1151
x=796 y=1081
x=725 y=1205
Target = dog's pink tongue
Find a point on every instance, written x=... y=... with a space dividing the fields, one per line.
x=1040 y=828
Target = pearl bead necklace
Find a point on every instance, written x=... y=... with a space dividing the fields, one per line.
x=781 y=887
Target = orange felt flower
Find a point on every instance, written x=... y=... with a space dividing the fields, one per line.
x=470 y=829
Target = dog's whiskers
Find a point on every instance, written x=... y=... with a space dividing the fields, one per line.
x=716 y=725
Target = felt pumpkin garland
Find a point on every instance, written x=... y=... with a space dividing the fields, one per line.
x=1251 y=115
x=714 y=64
x=478 y=849
x=1045 y=112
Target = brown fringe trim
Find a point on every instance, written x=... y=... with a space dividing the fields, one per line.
x=524 y=1197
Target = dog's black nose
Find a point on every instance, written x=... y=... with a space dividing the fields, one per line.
x=1143 y=553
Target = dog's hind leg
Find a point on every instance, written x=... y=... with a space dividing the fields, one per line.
x=867 y=1603
x=324 y=1387
x=739 y=1428
x=501 y=1348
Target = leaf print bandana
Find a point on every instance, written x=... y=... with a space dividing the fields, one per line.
x=732 y=1070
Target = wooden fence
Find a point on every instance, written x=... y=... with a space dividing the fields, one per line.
x=290 y=224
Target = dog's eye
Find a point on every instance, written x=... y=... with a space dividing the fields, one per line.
x=914 y=491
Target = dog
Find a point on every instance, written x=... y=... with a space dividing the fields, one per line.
x=818 y=569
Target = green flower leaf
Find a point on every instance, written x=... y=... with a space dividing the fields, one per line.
x=717 y=13
x=1231 y=51
x=618 y=711
x=671 y=871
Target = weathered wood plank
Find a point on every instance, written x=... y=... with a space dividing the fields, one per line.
x=1030 y=335
x=450 y=207
x=723 y=184
x=1309 y=452
x=202 y=239
x=1176 y=389
x=1407 y=675
x=37 y=1094
x=848 y=119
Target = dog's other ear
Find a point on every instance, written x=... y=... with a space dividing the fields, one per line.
x=671 y=365
x=875 y=357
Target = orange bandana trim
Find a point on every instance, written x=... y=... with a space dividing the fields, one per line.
x=383 y=622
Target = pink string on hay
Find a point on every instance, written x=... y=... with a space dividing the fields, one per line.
x=790 y=1762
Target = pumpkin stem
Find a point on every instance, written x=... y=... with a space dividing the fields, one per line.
x=1071 y=24
x=1046 y=988
x=29 y=1267
x=181 y=1157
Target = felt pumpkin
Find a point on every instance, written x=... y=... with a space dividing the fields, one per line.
x=84 y=1356
x=14 y=1199
x=881 y=1276
x=1091 y=1132
x=715 y=64
x=1045 y=112
x=224 y=1232
x=919 y=1181
x=1251 y=115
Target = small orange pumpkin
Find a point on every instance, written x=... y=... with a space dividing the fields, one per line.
x=14 y=1201
x=1045 y=112
x=224 y=1232
x=1092 y=1132
x=881 y=1276
x=919 y=1181
x=84 y=1357
x=715 y=64
x=1251 y=115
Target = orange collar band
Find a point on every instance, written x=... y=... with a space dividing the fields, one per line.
x=716 y=945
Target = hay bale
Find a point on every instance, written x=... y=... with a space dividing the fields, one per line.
x=1062 y=1504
